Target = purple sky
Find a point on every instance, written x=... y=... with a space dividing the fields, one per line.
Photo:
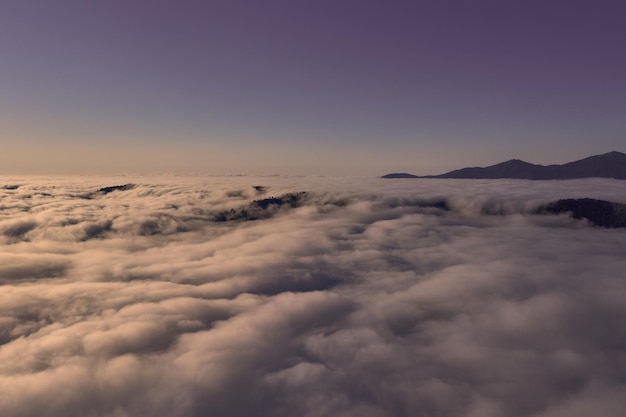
x=305 y=87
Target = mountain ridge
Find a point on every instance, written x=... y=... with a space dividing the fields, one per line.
x=609 y=165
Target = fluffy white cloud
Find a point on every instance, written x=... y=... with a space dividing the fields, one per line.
x=372 y=298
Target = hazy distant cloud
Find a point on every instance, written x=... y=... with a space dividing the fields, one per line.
x=366 y=298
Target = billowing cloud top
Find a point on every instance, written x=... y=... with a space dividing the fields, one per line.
x=242 y=296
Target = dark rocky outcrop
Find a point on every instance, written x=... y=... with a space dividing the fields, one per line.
x=598 y=212
x=110 y=189
x=106 y=190
x=290 y=199
x=261 y=189
x=262 y=209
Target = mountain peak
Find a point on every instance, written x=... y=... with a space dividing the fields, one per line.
x=514 y=162
x=613 y=155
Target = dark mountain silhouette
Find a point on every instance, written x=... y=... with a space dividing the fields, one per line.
x=514 y=168
x=608 y=165
x=399 y=175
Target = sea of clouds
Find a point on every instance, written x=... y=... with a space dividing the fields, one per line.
x=370 y=297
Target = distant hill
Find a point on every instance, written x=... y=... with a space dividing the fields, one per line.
x=399 y=175
x=608 y=165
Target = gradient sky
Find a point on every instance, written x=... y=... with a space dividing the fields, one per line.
x=307 y=87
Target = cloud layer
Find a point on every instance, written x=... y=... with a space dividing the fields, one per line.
x=366 y=298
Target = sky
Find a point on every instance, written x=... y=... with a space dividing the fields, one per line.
x=307 y=87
